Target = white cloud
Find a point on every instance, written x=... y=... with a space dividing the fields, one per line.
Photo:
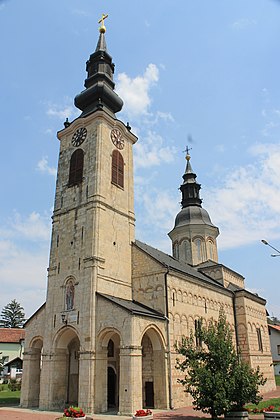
x=62 y=111
x=220 y=148
x=44 y=167
x=247 y=206
x=152 y=152
x=160 y=208
x=34 y=227
x=243 y=23
x=165 y=116
x=23 y=277
x=24 y=250
x=136 y=92
x=80 y=12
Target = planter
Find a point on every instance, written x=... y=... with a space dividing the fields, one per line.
x=65 y=418
x=237 y=415
x=271 y=415
x=149 y=417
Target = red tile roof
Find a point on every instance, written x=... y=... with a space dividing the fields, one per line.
x=11 y=335
x=275 y=327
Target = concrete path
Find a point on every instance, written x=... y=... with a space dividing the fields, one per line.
x=9 y=413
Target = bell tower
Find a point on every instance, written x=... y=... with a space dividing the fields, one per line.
x=93 y=220
x=194 y=235
x=93 y=228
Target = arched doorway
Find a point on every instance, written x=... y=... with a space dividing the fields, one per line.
x=66 y=368
x=154 y=378
x=107 y=372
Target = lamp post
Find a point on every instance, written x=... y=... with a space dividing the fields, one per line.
x=275 y=249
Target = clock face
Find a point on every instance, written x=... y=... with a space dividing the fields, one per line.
x=79 y=136
x=116 y=137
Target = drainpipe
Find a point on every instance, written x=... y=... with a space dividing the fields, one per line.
x=168 y=341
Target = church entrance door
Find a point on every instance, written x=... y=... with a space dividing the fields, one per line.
x=149 y=395
x=111 y=383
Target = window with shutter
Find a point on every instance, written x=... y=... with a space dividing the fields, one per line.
x=76 y=167
x=117 y=169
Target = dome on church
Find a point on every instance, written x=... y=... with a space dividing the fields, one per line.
x=193 y=215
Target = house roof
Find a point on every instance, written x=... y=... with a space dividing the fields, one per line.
x=274 y=327
x=135 y=308
x=13 y=361
x=11 y=335
x=174 y=264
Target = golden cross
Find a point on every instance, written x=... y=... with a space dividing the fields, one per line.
x=102 y=27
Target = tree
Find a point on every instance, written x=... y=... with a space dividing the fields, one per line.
x=215 y=376
x=12 y=315
x=1 y=363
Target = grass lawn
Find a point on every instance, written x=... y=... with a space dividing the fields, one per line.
x=263 y=404
x=8 y=397
x=277 y=380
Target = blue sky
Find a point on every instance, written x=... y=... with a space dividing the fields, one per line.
x=202 y=73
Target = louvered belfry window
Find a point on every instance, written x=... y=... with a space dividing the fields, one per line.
x=117 y=169
x=76 y=167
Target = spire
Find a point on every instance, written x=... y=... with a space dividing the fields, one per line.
x=190 y=188
x=101 y=44
x=194 y=235
x=99 y=84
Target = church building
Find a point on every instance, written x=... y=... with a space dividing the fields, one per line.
x=115 y=307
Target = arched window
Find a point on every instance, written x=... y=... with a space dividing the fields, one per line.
x=211 y=249
x=197 y=331
x=111 y=348
x=188 y=254
x=198 y=249
x=69 y=295
x=176 y=251
x=117 y=169
x=76 y=167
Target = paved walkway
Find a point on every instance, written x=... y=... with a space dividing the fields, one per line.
x=9 y=413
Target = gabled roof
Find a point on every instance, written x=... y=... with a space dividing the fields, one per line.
x=211 y=264
x=174 y=264
x=35 y=313
x=15 y=360
x=11 y=335
x=135 y=308
x=274 y=327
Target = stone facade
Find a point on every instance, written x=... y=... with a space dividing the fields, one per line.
x=115 y=307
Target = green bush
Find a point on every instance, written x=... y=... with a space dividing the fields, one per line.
x=14 y=385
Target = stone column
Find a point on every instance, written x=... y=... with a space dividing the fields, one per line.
x=31 y=378
x=101 y=381
x=86 y=381
x=130 y=391
x=160 y=379
x=54 y=380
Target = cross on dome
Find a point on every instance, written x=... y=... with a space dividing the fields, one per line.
x=102 y=28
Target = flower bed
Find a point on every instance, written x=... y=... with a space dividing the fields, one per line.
x=74 y=413
x=147 y=414
x=268 y=409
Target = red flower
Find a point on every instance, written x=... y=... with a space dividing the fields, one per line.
x=143 y=413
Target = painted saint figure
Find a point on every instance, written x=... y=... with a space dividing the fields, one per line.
x=70 y=289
